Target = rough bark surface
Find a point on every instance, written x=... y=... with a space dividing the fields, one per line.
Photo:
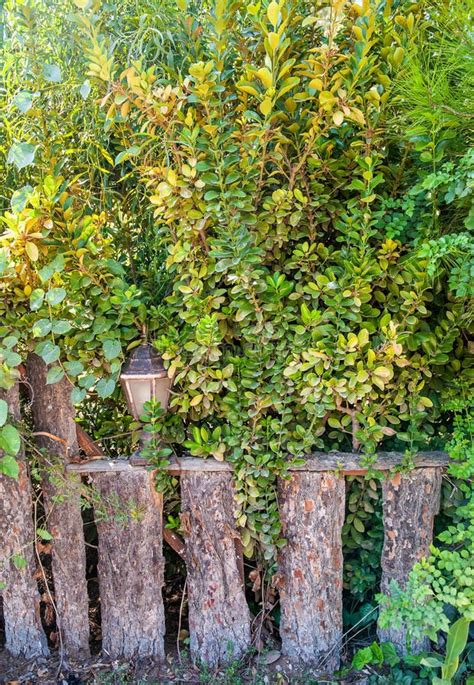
x=53 y=413
x=312 y=514
x=24 y=635
x=219 y=618
x=130 y=565
x=410 y=503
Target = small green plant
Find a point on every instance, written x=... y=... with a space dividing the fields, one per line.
x=455 y=644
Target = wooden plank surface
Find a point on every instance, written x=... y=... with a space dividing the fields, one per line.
x=345 y=463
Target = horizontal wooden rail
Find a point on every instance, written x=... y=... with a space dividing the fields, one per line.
x=345 y=463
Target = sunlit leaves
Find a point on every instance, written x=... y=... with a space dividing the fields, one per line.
x=85 y=89
x=21 y=155
x=23 y=100
x=52 y=73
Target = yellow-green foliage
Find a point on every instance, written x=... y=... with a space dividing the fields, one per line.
x=297 y=322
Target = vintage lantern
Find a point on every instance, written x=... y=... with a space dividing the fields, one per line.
x=144 y=377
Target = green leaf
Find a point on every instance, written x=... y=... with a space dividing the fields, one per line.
x=9 y=466
x=56 y=266
x=431 y=661
x=112 y=348
x=36 y=299
x=10 y=440
x=74 y=368
x=362 y=657
x=126 y=154
x=24 y=100
x=48 y=351
x=20 y=198
x=61 y=327
x=3 y=412
x=105 y=387
x=12 y=359
x=43 y=534
x=455 y=644
x=78 y=395
x=54 y=375
x=55 y=296
x=21 y=155
x=10 y=341
x=19 y=561
x=41 y=328
x=52 y=73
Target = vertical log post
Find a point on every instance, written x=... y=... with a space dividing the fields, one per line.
x=131 y=564
x=219 y=618
x=53 y=413
x=410 y=503
x=23 y=631
x=312 y=515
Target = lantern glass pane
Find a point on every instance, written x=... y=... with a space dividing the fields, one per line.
x=162 y=389
x=140 y=390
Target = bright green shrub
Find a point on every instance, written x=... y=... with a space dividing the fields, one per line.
x=295 y=322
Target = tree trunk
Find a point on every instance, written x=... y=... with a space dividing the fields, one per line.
x=131 y=565
x=312 y=514
x=219 y=618
x=53 y=413
x=410 y=503
x=21 y=600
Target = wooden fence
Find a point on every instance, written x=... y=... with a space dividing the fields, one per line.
x=131 y=563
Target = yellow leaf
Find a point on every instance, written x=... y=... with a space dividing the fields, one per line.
x=266 y=107
x=171 y=177
x=265 y=76
x=357 y=116
x=196 y=400
x=273 y=40
x=326 y=98
x=247 y=89
x=316 y=83
x=273 y=12
x=338 y=118
x=82 y=4
x=164 y=189
x=398 y=56
x=125 y=109
x=32 y=251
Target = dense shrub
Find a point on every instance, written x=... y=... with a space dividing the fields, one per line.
x=300 y=318
x=283 y=193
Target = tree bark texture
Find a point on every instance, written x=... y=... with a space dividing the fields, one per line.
x=131 y=565
x=219 y=618
x=54 y=414
x=312 y=515
x=410 y=503
x=24 y=635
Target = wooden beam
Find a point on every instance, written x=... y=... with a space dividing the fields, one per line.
x=344 y=463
